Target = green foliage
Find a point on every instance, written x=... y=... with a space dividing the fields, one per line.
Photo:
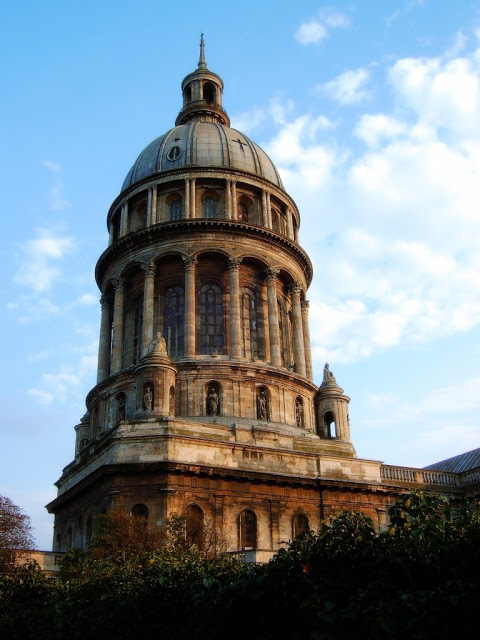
x=419 y=579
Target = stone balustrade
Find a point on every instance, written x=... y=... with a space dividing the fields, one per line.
x=428 y=477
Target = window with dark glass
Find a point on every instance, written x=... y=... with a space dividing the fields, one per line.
x=173 y=321
x=248 y=530
x=137 y=330
x=242 y=212
x=249 y=324
x=176 y=209
x=212 y=338
x=209 y=207
x=300 y=525
x=140 y=511
x=194 y=527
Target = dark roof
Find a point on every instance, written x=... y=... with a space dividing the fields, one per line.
x=458 y=464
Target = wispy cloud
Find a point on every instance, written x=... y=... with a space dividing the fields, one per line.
x=347 y=88
x=57 y=200
x=39 y=259
x=316 y=29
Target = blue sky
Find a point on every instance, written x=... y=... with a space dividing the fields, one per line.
x=370 y=109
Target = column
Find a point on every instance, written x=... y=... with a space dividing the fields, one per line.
x=235 y=317
x=298 y=345
x=306 y=340
x=234 y=200
x=228 y=199
x=289 y=224
x=124 y=220
x=104 y=345
x=187 y=198
x=148 y=287
x=273 y=328
x=264 y=209
x=192 y=198
x=189 y=328
x=154 y=205
x=110 y=234
x=269 y=211
x=117 y=332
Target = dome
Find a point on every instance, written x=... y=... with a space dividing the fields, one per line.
x=202 y=144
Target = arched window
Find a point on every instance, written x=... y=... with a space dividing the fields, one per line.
x=330 y=426
x=300 y=525
x=242 y=212
x=121 y=405
x=209 y=93
x=171 y=401
x=173 y=318
x=276 y=223
x=209 y=206
x=140 y=511
x=283 y=331
x=137 y=330
x=116 y=226
x=212 y=338
x=138 y=217
x=176 y=209
x=248 y=529
x=249 y=324
x=194 y=527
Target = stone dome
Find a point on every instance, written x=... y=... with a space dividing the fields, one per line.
x=202 y=144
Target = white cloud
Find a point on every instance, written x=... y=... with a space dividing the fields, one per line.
x=312 y=32
x=394 y=228
x=315 y=30
x=38 y=255
x=57 y=201
x=88 y=298
x=458 y=45
x=347 y=88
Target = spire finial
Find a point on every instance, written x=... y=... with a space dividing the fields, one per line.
x=202 y=64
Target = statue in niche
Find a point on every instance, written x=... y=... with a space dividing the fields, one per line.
x=262 y=413
x=121 y=407
x=212 y=402
x=148 y=398
x=299 y=413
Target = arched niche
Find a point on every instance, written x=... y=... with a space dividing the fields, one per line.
x=213 y=398
x=263 y=403
x=194 y=526
x=330 y=426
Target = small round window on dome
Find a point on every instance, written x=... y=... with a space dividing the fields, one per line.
x=174 y=153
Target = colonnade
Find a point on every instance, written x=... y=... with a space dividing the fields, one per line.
x=190 y=208
x=112 y=324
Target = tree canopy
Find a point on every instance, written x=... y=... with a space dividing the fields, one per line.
x=15 y=533
x=418 y=579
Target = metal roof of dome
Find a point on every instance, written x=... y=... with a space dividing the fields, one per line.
x=202 y=144
x=202 y=137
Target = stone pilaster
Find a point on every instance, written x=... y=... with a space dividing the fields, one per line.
x=273 y=327
x=154 y=206
x=228 y=199
x=117 y=331
x=235 y=318
x=298 y=344
x=104 y=342
x=148 y=288
x=189 y=337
